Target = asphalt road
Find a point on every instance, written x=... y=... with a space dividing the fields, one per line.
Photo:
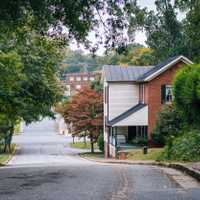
x=46 y=168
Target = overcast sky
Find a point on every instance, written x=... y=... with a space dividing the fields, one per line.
x=139 y=37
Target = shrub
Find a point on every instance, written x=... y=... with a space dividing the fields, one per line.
x=184 y=148
x=140 y=141
x=100 y=142
x=187 y=93
x=168 y=124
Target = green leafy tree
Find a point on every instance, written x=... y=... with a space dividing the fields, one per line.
x=187 y=94
x=79 y=17
x=165 y=35
x=29 y=86
x=135 y=54
x=191 y=26
x=11 y=70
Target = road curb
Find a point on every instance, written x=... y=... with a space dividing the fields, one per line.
x=178 y=166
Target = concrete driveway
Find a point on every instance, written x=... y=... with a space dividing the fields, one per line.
x=46 y=168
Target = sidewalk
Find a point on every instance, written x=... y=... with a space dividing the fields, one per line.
x=192 y=169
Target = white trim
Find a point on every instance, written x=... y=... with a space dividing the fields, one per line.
x=139 y=118
x=143 y=88
x=183 y=58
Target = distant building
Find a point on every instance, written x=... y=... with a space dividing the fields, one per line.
x=71 y=82
x=75 y=81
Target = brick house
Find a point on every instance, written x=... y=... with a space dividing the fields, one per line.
x=132 y=98
x=72 y=82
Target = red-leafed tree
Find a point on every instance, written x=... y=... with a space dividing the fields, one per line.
x=85 y=111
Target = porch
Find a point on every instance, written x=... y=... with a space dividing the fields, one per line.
x=124 y=138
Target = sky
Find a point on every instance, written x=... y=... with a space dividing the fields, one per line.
x=139 y=36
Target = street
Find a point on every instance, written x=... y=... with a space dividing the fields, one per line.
x=46 y=168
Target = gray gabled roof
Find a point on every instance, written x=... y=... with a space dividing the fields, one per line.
x=158 y=67
x=119 y=73
x=115 y=73
x=126 y=114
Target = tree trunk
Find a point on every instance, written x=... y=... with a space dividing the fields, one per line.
x=10 y=138
x=5 y=147
x=92 y=144
x=73 y=139
x=85 y=140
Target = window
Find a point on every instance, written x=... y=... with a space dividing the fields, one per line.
x=91 y=78
x=85 y=78
x=71 y=78
x=141 y=93
x=166 y=94
x=78 y=87
x=78 y=78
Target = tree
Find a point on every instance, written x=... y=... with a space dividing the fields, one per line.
x=191 y=26
x=187 y=94
x=11 y=70
x=79 y=17
x=165 y=35
x=29 y=86
x=85 y=112
x=135 y=54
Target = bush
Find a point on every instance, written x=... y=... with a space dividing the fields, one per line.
x=168 y=124
x=140 y=141
x=187 y=94
x=184 y=148
x=100 y=142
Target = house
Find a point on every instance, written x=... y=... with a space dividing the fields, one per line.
x=133 y=96
x=72 y=82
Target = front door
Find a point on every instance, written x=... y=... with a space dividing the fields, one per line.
x=131 y=133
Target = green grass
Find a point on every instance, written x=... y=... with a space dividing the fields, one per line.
x=82 y=145
x=92 y=155
x=153 y=154
x=4 y=157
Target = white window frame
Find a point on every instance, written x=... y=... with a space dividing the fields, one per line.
x=92 y=78
x=85 y=78
x=78 y=78
x=71 y=78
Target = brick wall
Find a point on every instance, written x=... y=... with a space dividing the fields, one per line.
x=153 y=94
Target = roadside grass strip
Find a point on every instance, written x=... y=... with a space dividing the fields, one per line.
x=6 y=157
x=82 y=145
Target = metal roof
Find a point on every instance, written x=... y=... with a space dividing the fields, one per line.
x=114 y=73
x=159 y=66
x=130 y=73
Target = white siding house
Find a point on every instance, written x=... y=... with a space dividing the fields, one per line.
x=121 y=97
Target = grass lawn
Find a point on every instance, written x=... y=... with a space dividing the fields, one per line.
x=82 y=145
x=92 y=155
x=4 y=157
x=137 y=154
